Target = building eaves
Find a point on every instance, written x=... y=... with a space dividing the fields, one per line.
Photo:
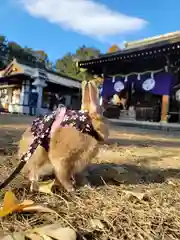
x=41 y=66
x=140 y=48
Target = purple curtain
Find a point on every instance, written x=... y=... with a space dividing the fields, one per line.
x=114 y=86
x=159 y=84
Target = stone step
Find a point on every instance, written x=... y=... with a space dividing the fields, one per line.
x=125 y=115
x=127 y=119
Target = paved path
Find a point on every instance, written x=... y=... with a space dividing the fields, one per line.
x=147 y=125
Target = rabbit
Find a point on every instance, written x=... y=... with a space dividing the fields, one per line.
x=80 y=152
x=70 y=149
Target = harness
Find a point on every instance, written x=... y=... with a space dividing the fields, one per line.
x=41 y=128
x=72 y=118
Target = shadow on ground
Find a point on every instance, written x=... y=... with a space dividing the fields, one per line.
x=143 y=143
x=115 y=174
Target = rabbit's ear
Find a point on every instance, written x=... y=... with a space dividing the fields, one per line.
x=94 y=98
x=85 y=96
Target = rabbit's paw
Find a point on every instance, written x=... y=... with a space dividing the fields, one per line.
x=70 y=189
x=34 y=187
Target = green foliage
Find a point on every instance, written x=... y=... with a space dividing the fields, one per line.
x=85 y=53
x=39 y=58
x=67 y=64
x=3 y=51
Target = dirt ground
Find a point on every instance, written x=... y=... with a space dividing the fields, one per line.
x=151 y=163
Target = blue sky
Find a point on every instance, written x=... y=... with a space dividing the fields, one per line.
x=61 y=26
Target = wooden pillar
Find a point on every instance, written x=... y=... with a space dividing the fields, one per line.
x=127 y=97
x=164 y=108
x=165 y=98
x=104 y=75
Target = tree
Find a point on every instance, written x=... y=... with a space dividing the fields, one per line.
x=67 y=64
x=85 y=53
x=41 y=56
x=14 y=46
x=3 y=43
x=14 y=50
x=3 y=51
x=113 y=48
x=50 y=66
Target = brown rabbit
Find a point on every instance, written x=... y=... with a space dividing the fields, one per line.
x=71 y=146
x=38 y=164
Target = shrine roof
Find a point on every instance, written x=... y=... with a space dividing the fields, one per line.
x=162 y=44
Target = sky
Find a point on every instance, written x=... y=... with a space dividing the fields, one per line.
x=61 y=26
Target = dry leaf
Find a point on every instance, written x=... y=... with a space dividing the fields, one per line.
x=2 y=234
x=45 y=187
x=38 y=208
x=55 y=231
x=14 y=236
x=33 y=236
x=27 y=203
x=140 y=196
x=96 y=223
x=169 y=182
x=11 y=204
x=45 y=238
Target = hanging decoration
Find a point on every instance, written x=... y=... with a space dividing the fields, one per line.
x=113 y=86
x=166 y=69
x=152 y=75
x=148 y=84
x=157 y=82
x=138 y=77
x=139 y=74
x=118 y=86
x=113 y=79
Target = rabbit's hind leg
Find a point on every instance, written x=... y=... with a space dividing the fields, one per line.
x=35 y=167
x=33 y=178
x=64 y=177
x=63 y=174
